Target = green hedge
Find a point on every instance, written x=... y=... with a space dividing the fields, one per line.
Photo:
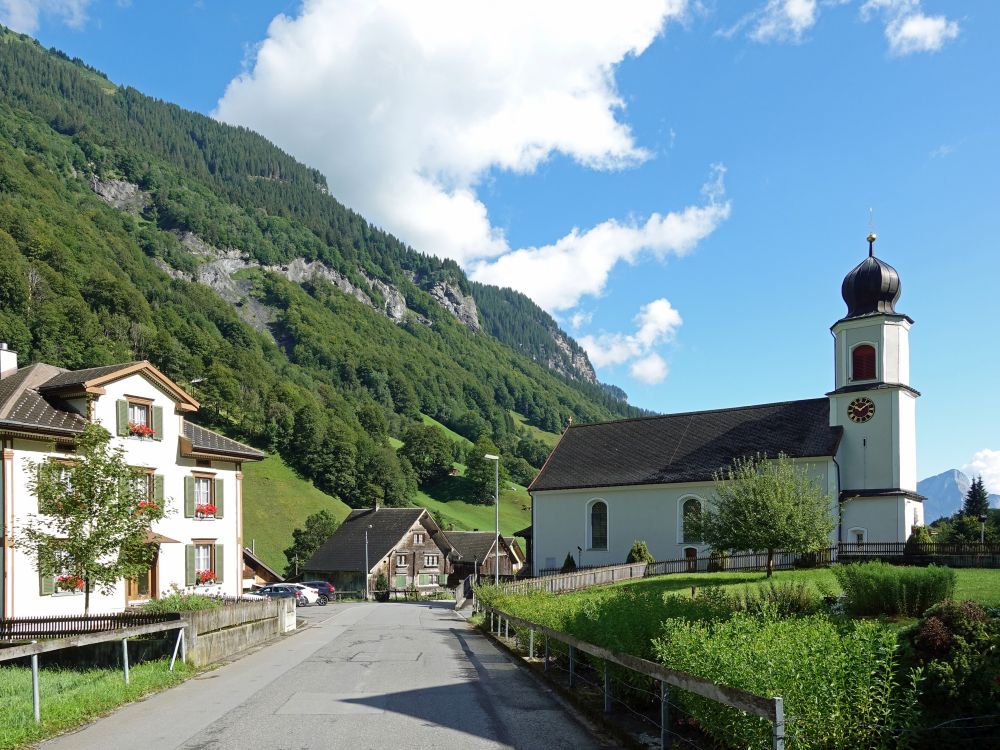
x=876 y=588
x=838 y=684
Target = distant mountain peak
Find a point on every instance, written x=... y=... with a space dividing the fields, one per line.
x=945 y=493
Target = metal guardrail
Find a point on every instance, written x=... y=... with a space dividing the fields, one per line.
x=770 y=709
x=123 y=634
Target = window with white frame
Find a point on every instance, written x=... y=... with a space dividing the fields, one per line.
x=431 y=561
x=598 y=522
x=202 y=491
x=139 y=414
x=418 y=538
x=203 y=554
x=690 y=516
x=400 y=561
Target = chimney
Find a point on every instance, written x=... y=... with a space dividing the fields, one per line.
x=8 y=360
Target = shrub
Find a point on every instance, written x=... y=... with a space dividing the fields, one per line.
x=639 y=553
x=920 y=535
x=717 y=560
x=957 y=646
x=876 y=588
x=179 y=602
x=838 y=685
x=569 y=564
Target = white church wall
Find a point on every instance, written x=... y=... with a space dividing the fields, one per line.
x=650 y=513
x=881 y=518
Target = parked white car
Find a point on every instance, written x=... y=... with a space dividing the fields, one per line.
x=309 y=594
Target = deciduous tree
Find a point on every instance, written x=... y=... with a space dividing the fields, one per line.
x=763 y=504
x=95 y=516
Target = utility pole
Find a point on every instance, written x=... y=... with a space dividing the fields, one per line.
x=496 y=503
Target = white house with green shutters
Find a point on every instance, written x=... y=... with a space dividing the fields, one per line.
x=196 y=472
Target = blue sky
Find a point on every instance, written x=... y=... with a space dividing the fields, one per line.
x=684 y=185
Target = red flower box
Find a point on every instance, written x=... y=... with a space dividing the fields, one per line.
x=140 y=430
x=204 y=577
x=205 y=510
x=69 y=582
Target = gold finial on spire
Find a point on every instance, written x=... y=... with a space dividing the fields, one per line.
x=871 y=243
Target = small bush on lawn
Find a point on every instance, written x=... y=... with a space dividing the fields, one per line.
x=957 y=645
x=639 y=553
x=876 y=588
x=178 y=602
x=838 y=685
x=783 y=599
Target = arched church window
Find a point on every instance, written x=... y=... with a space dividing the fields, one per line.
x=599 y=525
x=691 y=514
x=863 y=362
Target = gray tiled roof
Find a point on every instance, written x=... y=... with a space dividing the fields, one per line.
x=345 y=549
x=70 y=378
x=688 y=447
x=22 y=407
x=473 y=545
x=203 y=439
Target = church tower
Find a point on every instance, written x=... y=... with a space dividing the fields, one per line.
x=876 y=406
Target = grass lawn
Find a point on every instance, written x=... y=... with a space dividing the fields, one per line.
x=446 y=498
x=276 y=501
x=71 y=697
x=549 y=438
x=452 y=435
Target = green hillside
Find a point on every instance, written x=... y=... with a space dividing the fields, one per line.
x=515 y=508
x=452 y=435
x=275 y=501
x=133 y=229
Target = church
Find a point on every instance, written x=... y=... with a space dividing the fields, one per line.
x=608 y=484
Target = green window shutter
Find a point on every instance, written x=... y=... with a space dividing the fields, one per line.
x=121 y=407
x=46 y=584
x=442 y=579
x=189 y=565
x=158 y=488
x=219 y=560
x=400 y=582
x=157 y=423
x=189 y=497
x=219 y=497
x=424 y=579
x=43 y=506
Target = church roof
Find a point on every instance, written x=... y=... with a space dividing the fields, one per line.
x=687 y=447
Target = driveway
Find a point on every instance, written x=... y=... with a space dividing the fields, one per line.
x=395 y=675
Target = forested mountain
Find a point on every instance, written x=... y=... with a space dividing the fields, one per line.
x=130 y=229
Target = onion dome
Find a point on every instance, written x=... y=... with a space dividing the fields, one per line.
x=872 y=287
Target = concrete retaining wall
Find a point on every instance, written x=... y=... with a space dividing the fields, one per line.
x=215 y=634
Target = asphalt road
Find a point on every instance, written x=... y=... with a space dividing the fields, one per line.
x=393 y=675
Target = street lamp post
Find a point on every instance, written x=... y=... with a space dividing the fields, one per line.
x=367 y=568
x=982 y=529
x=496 y=503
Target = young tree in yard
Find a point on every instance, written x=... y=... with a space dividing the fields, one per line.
x=95 y=517
x=768 y=505
x=318 y=528
x=977 y=499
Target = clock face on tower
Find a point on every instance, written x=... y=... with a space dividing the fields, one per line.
x=861 y=409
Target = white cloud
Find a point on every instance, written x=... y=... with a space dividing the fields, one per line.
x=908 y=29
x=557 y=276
x=23 y=15
x=650 y=369
x=942 y=151
x=580 y=318
x=656 y=323
x=986 y=463
x=777 y=21
x=406 y=107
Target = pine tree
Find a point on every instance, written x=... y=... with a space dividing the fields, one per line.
x=977 y=500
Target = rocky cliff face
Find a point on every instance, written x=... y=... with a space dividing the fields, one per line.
x=574 y=363
x=123 y=195
x=462 y=307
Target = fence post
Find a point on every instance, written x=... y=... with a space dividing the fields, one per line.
x=778 y=734
x=665 y=741
x=607 y=690
x=177 y=645
x=34 y=687
x=491 y=620
x=125 y=658
x=546 y=667
x=506 y=629
x=531 y=643
x=572 y=666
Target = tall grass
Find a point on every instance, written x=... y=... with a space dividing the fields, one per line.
x=838 y=684
x=71 y=697
x=877 y=588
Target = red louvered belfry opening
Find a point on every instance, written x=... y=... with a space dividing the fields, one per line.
x=863 y=363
